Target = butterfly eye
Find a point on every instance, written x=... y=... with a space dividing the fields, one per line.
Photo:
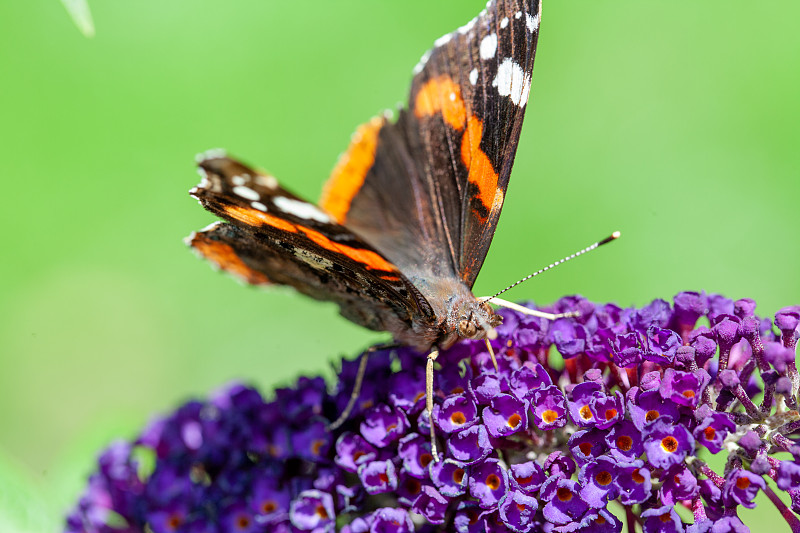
x=467 y=329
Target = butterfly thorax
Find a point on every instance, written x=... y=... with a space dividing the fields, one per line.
x=461 y=314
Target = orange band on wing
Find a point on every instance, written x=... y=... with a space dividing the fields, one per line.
x=225 y=258
x=481 y=172
x=254 y=217
x=367 y=258
x=348 y=176
x=442 y=95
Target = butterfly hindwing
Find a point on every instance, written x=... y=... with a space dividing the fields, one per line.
x=427 y=190
x=272 y=236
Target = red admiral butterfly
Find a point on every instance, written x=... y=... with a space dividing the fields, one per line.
x=406 y=219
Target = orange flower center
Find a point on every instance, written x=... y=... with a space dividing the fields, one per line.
x=651 y=415
x=564 y=494
x=514 y=420
x=458 y=418
x=669 y=444
x=549 y=416
x=624 y=443
x=610 y=413
x=603 y=478
x=492 y=481
x=585 y=412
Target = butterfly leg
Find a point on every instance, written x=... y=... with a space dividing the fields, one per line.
x=532 y=312
x=429 y=400
x=362 y=369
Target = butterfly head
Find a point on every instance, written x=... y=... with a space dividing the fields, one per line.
x=477 y=321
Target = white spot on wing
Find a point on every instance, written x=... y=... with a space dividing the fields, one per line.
x=214 y=153
x=259 y=206
x=443 y=40
x=488 y=46
x=473 y=76
x=300 y=209
x=532 y=22
x=422 y=61
x=504 y=22
x=468 y=26
x=238 y=180
x=266 y=181
x=512 y=81
x=518 y=15
x=247 y=193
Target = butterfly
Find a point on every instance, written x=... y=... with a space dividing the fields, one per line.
x=407 y=216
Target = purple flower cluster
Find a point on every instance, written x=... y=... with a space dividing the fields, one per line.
x=587 y=423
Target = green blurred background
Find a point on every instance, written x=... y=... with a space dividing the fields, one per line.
x=674 y=122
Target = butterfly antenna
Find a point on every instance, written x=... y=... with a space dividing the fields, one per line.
x=598 y=244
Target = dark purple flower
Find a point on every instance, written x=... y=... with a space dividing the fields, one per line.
x=468 y=518
x=313 y=510
x=470 y=445
x=667 y=444
x=564 y=502
x=450 y=477
x=383 y=425
x=431 y=504
x=388 y=520
x=527 y=379
x=607 y=410
x=488 y=385
x=378 y=476
x=518 y=511
x=505 y=415
x=627 y=349
x=689 y=306
x=352 y=450
x=455 y=413
x=269 y=501
x=712 y=431
x=624 y=441
x=598 y=479
x=788 y=475
x=684 y=388
x=634 y=483
x=579 y=409
x=648 y=407
x=661 y=345
x=415 y=451
x=569 y=337
x=488 y=483
x=679 y=484
x=741 y=487
x=549 y=408
x=587 y=445
x=238 y=518
x=527 y=477
x=661 y=520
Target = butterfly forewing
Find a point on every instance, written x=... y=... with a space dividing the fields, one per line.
x=427 y=190
x=275 y=237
